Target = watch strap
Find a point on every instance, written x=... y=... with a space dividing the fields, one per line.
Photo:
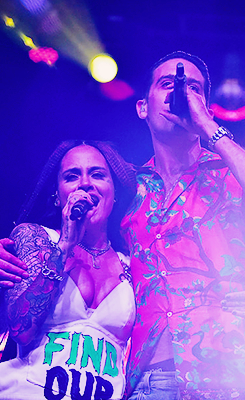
x=221 y=131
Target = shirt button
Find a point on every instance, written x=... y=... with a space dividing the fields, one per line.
x=169 y=313
x=158 y=236
x=163 y=273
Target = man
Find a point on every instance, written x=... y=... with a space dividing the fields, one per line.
x=185 y=232
x=185 y=235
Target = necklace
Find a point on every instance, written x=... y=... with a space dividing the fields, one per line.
x=95 y=252
x=168 y=194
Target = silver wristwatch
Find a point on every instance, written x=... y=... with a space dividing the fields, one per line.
x=221 y=131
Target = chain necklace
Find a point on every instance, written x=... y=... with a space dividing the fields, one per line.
x=95 y=252
x=168 y=194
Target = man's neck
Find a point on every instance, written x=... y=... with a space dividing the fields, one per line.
x=172 y=159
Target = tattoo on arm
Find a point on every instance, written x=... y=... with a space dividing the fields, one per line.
x=29 y=302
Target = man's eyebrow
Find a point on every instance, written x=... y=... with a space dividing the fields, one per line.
x=169 y=76
x=193 y=80
x=189 y=80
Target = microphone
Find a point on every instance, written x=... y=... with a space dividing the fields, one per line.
x=178 y=99
x=81 y=207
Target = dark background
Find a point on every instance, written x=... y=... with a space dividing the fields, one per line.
x=42 y=105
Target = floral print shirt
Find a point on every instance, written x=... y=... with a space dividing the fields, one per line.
x=186 y=256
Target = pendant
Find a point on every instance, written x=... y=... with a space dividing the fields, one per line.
x=95 y=265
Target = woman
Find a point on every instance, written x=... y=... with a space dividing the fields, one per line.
x=73 y=316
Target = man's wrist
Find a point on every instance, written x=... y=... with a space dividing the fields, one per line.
x=219 y=133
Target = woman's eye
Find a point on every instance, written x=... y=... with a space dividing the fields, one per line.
x=71 y=178
x=98 y=175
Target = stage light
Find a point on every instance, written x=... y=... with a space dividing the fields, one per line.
x=34 y=6
x=103 y=68
x=27 y=40
x=228 y=102
x=9 y=21
x=231 y=93
x=73 y=32
x=51 y=23
x=46 y=54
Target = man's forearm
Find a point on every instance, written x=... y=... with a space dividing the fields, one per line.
x=234 y=157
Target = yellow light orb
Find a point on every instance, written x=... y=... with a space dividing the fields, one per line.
x=103 y=68
x=9 y=22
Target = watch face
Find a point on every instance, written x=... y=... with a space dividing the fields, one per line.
x=221 y=131
x=225 y=131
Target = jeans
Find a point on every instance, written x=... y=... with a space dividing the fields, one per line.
x=156 y=385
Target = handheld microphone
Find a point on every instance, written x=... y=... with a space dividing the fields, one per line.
x=81 y=207
x=178 y=100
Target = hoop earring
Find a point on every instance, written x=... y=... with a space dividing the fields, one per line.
x=56 y=199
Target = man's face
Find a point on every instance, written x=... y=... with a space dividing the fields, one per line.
x=159 y=95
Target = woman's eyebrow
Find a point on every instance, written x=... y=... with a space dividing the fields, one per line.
x=96 y=168
x=77 y=171
x=73 y=170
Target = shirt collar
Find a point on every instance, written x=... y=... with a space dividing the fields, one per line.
x=205 y=159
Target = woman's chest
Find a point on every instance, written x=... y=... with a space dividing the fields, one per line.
x=95 y=284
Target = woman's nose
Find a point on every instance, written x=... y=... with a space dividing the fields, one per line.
x=85 y=184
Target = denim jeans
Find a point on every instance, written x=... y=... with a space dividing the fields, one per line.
x=156 y=385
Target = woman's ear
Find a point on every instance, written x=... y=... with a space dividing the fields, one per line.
x=141 y=107
x=56 y=199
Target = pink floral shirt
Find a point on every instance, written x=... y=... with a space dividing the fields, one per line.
x=186 y=256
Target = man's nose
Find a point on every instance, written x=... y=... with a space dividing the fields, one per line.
x=168 y=97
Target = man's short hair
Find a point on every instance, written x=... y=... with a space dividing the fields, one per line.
x=200 y=64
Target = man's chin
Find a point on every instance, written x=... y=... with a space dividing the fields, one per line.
x=174 y=133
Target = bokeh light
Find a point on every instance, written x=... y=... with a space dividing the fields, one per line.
x=9 y=21
x=27 y=40
x=103 y=68
x=46 y=54
x=228 y=115
x=34 y=6
x=117 y=90
x=51 y=23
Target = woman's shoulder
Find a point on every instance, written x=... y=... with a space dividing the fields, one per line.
x=123 y=258
x=28 y=228
x=125 y=261
x=34 y=230
x=54 y=235
x=29 y=237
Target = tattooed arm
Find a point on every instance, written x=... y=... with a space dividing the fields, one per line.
x=29 y=302
x=12 y=269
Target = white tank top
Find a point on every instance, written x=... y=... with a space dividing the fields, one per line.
x=80 y=350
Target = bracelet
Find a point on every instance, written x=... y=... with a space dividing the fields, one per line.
x=50 y=274
x=221 y=131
